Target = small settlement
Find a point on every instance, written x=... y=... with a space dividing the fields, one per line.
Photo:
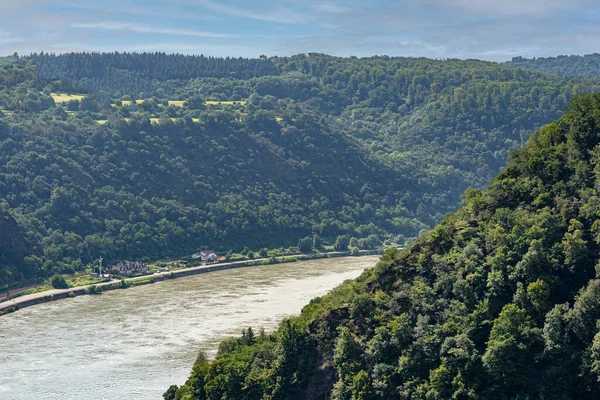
x=206 y=255
x=130 y=268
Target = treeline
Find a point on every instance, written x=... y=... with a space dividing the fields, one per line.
x=500 y=300
x=133 y=73
x=565 y=66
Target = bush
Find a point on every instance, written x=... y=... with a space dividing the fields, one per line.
x=341 y=243
x=305 y=244
x=93 y=290
x=71 y=294
x=59 y=282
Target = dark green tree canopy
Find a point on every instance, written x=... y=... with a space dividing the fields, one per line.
x=501 y=300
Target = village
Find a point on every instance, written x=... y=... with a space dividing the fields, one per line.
x=127 y=268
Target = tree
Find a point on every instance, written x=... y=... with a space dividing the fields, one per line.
x=248 y=336
x=196 y=103
x=341 y=243
x=317 y=242
x=170 y=393
x=59 y=282
x=511 y=347
x=305 y=244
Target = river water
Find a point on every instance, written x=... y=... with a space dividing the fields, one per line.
x=134 y=343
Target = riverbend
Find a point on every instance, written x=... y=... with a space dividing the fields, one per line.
x=8 y=306
x=133 y=344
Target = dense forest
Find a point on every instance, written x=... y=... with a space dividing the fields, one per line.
x=499 y=301
x=565 y=66
x=157 y=165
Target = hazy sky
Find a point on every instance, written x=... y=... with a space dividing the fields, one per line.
x=486 y=29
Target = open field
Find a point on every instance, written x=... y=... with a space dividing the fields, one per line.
x=224 y=103
x=130 y=102
x=152 y=120
x=179 y=103
x=63 y=97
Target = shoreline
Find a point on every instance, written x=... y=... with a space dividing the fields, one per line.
x=12 y=305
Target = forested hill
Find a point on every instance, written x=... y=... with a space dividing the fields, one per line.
x=148 y=66
x=14 y=249
x=140 y=163
x=565 y=66
x=500 y=301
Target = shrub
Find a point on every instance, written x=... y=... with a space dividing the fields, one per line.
x=59 y=282
x=93 y=290
x=305 y=244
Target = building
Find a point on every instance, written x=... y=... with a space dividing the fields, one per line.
x=206 y=255
x=129 y=268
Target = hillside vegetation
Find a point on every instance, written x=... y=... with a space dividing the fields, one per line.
x=565 y=66
x=147 y=156
x=499 y=301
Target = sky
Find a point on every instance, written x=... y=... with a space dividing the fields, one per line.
x=495 y=30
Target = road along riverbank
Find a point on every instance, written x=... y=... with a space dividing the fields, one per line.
x=15 y=304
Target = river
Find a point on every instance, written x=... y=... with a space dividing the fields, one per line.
x=134 y=343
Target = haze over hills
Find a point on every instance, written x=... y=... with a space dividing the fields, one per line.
x=500 y=300
x=153 y=155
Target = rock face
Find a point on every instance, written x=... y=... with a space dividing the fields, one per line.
x=13 y=249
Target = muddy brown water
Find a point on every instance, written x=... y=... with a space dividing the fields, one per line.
x=134 y=343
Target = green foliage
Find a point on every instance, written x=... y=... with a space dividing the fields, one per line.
x=323 y=147
x=305 y=245
x=566 y=66
x=93 y=289
x=341 y=243
x=498 y=301
x=170 y=393
x=59 y=282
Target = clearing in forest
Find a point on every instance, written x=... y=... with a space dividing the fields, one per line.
x=64 y=97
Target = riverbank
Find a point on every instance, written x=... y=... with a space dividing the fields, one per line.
x=15 y=304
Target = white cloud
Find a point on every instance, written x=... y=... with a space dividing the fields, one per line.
x=511 y=7
x=123 y=26
x=333 y=8
x=284 y=16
